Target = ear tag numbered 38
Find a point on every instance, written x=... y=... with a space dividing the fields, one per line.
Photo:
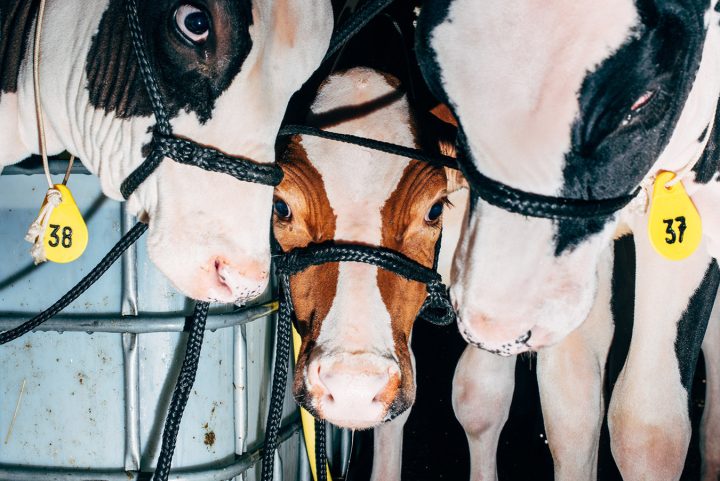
x=674 y=225
x=66 y=236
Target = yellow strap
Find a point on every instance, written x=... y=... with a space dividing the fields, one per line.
x=308 y=421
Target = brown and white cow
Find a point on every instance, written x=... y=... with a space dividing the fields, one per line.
x=578 y=101
x=355 y=366
x=226 y=70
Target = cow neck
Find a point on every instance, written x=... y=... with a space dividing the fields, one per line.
x=185 y=151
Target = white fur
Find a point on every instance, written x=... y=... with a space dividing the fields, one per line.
x=195 y=216
x=649 y=424
x=358 y=182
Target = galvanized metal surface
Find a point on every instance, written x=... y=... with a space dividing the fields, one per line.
x=99 y=401
x=222 y=473
x=132 y=402
x=141 y=324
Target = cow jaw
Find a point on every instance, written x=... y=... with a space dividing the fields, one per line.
x=513 y=295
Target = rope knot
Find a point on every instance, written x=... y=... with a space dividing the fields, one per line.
x=437 y=308
x=36 y=232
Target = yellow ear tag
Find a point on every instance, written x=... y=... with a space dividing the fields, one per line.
x=66 y=236
x=674 y=226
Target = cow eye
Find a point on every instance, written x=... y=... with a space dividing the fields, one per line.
x=434 y=212
x=193 y=23
x=643 y=100
x=282 y=209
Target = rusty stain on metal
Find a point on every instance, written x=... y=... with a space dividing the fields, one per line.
x=16 y=410
x=210 y=438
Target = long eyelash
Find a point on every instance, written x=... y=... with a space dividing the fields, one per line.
x=447 y=202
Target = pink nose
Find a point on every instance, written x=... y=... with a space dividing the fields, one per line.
x=355 y=395
x=233 y=285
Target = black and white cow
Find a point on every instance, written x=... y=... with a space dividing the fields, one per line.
x=226 y=71
x=583 y=101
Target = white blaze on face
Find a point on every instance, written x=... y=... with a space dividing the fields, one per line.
x=515 y=91
x=358 y=182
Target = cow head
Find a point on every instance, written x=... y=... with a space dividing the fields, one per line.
x=562 y=99
x=226 y=70
x=355 y=366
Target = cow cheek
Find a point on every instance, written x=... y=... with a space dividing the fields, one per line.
x=313 y=292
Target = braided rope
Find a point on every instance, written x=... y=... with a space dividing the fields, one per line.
x=534 y=205
x=184 y=151
x=320 y=453
x=439 y=160
x=126 y=241
x=282 y=356
x=183 y=387
x=161 y=116
x=353 y=24
x=436 y=309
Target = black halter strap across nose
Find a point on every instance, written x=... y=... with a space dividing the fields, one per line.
x=529 y=204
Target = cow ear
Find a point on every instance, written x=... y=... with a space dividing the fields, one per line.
x=442 y=112
x=455 y=180
x=444 y=124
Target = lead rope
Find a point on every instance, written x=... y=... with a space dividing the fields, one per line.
x=183 y=387
x=53 y=197
x=320 y=454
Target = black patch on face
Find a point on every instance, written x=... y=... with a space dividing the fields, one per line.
x=191 y=76
x=613 y=147
x=693 y=323
x=16 y=33
x=709 y=163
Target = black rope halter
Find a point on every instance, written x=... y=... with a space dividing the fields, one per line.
x=529 y=204
x=185 y=151
x=436 y=309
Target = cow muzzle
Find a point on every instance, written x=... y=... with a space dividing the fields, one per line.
x=353 y=390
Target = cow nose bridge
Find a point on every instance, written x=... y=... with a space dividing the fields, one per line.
x=240 y=284
x=355 y=392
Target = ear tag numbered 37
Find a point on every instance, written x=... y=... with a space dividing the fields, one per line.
x=674 y=225
x=66 y=236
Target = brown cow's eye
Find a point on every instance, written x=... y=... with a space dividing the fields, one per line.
x=282 y=209
x=434 y=212
x=193 y=23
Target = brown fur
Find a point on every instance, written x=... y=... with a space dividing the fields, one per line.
x=312 y=221
x=16 y=20
x=405 y=231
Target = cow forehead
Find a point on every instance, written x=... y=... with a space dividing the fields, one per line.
x=516 y=94
x=358 y=181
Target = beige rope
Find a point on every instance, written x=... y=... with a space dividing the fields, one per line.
x=53 y=197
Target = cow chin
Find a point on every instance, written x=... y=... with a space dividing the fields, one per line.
x=357 y=391
x=513 y=295
x=210 y=233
